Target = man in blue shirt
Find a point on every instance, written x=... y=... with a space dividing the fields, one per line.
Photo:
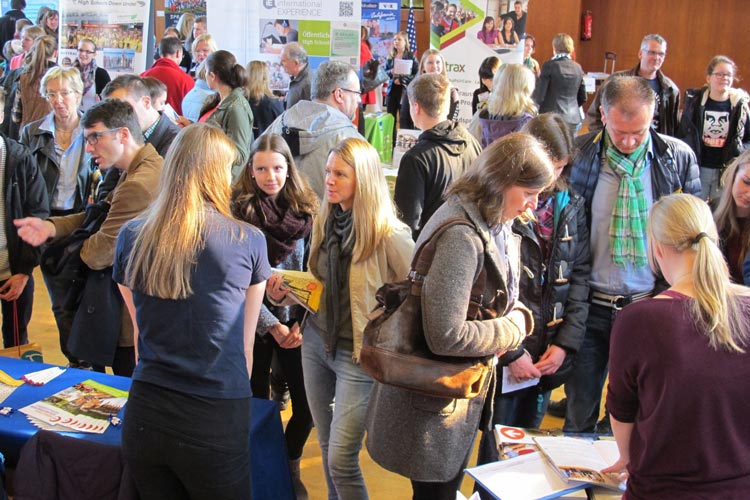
x=620 y=172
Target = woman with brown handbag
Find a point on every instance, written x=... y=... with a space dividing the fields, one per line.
x=428 y=439
x=358 y=244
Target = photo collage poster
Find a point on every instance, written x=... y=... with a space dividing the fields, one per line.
x=173 y=9
x=327 y=29
x=382 y=21
x=468 y=31
x=119 y=29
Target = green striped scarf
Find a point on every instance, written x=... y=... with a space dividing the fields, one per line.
x=627 y=231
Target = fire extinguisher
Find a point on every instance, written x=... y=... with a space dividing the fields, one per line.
x=586 y=21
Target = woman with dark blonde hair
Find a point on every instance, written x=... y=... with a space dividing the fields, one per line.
x=682 y=357
x=429 y=439
x=266 y=106
x=30 y=105
x=51 y=22
x=192 y=277
x=509 y=106
x=358 y=244
x=271 y=195
x=732 y=217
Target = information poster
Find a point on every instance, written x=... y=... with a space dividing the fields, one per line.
x=173 y=9
x=382 y=20
x=119 y=28
x=327 y=29
x=466 y=32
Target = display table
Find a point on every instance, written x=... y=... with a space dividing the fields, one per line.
x=271 y=477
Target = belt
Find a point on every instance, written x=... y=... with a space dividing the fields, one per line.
x=616 y=302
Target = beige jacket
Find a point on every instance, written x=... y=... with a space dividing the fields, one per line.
x=390 y=262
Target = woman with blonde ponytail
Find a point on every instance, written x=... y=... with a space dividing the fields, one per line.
x=679 y=371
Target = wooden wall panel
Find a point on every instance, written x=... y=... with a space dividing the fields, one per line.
x=547 y=18
x=695 y=31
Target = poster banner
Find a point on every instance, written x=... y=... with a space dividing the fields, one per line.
x=259 y=29
x=173 y=9
x=468 y=31
x=382 y=20
x=119 y=28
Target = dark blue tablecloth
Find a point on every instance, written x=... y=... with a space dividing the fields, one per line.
x=270 y=466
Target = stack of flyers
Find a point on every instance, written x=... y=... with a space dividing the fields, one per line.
x=85 y=407
x=41 y=377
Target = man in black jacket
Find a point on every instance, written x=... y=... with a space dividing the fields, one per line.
x=24 y=194
x=442 y=153
x=651 y=56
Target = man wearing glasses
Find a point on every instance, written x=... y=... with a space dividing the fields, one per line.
x=114 y=140
x=312 y=128
x=651 y=57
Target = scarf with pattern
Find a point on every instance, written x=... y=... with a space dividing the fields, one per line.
x=627 y=231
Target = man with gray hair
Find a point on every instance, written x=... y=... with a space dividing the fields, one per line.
x=312 y=128
x=620 y=172
x=443 y=152
x=294 y=61
x=650 y=59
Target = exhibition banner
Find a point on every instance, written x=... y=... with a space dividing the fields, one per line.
x=173 y=9
x=466 y=32
x=121 y=30
x=259 y=29
x=382 y=20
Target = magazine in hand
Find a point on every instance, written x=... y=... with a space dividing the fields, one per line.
x=85 y=407
x=576 y=459
x=305 y=289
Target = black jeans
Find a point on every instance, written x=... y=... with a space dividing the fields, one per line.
x=180 y=446
x=299 y=426
x=437 y=491
x=23 y=304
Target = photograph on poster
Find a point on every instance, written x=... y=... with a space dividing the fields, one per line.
x=114 y=36
x=381 y=24
x=119 y=60
x=173 y=9
x=275 y=33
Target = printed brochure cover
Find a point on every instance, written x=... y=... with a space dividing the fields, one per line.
x=85 y=407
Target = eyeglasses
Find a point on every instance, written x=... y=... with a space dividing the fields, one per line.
x=84 y=51
x=93 y=139
x=723 y=75
x=52 y=96
x=350 y=90
x=654 y=53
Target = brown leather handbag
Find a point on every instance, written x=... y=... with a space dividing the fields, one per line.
x=395 y=351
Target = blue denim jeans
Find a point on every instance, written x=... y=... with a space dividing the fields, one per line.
x=341 y=426
x=584 y=387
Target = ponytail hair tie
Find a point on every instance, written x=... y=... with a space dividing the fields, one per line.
x=700 y=236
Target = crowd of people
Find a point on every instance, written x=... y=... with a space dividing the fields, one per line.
x=181 y=190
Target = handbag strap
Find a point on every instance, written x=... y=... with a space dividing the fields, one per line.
x=422 y=262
